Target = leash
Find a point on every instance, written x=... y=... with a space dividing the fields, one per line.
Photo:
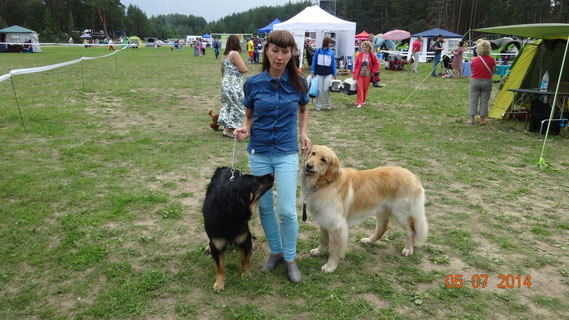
x=303 y=188
x=233 y=160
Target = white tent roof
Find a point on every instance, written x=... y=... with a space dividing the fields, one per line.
x=315 y=19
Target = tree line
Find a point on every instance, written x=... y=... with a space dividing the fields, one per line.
x=56 y=20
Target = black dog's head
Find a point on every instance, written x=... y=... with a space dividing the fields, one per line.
x=239 y=196
x=247 y=189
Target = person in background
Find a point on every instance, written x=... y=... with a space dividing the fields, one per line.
x=181 y=45
x=309 y=52
x=216 y=45
x=232 y=70
x=256 y=42
x=196 y=48
x=415 y=52
x=111 y=48
x=275 y=99
x=438 y=48
x=483 y=66
x=251 y=51
x=457 y=59
x=371 y=38
x=366 y=64
x=324 y=68
x=376 y=42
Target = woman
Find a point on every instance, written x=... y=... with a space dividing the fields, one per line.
x=232 y=69
x=324 y=68
x=457 y=59
x=274 y=99
x=483 y=66
x=366 y=65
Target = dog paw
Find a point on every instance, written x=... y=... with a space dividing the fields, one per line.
x=329 y=267
x=218 y=287
x=366 y=241
x=207 y=250
x=246 y=274
x=407 y=252
x=316 y=252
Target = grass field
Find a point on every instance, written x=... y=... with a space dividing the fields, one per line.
x=101 y=201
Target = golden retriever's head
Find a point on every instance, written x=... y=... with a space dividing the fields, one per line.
x=323 y=162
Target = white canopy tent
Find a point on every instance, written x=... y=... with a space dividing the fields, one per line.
x=18 y=35
x=314 y=19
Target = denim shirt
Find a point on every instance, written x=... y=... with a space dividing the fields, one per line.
x=275 y=108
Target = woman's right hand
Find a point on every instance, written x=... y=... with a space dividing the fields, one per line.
x=241 y=133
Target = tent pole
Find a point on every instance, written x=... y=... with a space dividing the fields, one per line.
x=541 y=49
x=17 y=103
x=541 y=163
x=82 y=76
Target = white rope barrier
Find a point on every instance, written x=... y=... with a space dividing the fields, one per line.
x=60 y=44
x=53 y=66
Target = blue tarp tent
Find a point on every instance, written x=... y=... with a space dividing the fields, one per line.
x=269 y=28
x=378 y=42
x=205 y=36
x=435 y=33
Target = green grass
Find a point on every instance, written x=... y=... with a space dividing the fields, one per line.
x=101 y=200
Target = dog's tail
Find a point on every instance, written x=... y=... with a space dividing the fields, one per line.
x=420 y=220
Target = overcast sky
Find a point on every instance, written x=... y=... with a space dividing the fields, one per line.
x=211 y=10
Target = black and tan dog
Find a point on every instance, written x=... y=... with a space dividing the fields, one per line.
x=227 y=208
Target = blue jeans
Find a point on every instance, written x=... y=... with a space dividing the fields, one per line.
x=281 y=234
x=435 y=64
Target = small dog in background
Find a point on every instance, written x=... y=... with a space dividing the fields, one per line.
x=339 y=198
x=227 y=209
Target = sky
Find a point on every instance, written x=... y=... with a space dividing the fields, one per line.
x=211 y=10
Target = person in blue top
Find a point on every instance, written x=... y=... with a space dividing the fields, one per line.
x=324 y=67
x=274 y=99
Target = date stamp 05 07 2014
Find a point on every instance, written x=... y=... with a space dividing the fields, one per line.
x=479 y=281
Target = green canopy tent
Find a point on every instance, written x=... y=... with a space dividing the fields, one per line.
x=548 y=33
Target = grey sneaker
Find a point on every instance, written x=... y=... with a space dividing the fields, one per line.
x=270 y=265
x=293 y=272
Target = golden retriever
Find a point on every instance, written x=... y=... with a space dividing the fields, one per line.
x=338 y=198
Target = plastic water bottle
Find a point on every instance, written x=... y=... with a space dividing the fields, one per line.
x=544 y=81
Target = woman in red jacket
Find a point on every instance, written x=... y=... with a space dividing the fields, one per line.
x=366 y=65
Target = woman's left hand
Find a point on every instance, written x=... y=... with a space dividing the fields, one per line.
x=305 y=142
